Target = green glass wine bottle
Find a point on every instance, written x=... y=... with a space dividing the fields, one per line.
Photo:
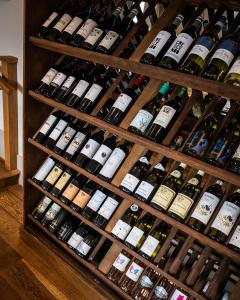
x=233 y=75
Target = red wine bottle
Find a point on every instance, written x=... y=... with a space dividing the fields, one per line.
x=53 y=176
x=44 y=170
x=62 y=182
x=47 y=79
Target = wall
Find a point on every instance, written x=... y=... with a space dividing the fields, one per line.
x=11 y=37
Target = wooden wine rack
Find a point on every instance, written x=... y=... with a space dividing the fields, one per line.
x=40 y=54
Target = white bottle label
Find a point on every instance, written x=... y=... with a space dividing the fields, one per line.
x=61 y=125
x=134 y=236
x=146 y=282
x=145 y=189
x=51 y=18
x=72 y=27
x=177 y=295
x=65 y=138
x=121 y=262
x=45 y=168
x=76 y=143
x=102 y=154
x=142 y=120
x=161 y=292
x=49 y=76
x=235 y=68
x=158 y=43
x=67 y=84
x=181 y=205
x=96 y=200
x=113 y=162
x=200 y=50
x=226 y=217
x=121 y=229
x=80 y=88
x=149 y=246
x=235 y=239
x=48 y=124
x=94 y=36
x=42 y=206
x=179 y=47
x=134 y=272
x=93 y=92
x=63 y=22
x=163 y=196
x=223 y=54
x=74 y=240
x=59 y=78
x=86 y=28
x=122 y=102
x=90 y=148
x=165 y=116
x=83 y=248
x=109 y=39
x=237 y=153
x=205 y=207
x=130 y=182
x=108 y=208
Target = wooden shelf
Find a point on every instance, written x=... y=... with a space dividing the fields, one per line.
x=180 y=226
x=195 y=82
x=170 y=153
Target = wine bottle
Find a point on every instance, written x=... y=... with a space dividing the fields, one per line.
x=63 y=122
x=206 y=206
x=87 y=245
x=139 y=232
x=184 y=200
x=73 y=188
x=198 y=56
x=161 y=42
x=44 y=170
x=83 y=196
x=62 y=182
x=51 y=214
x=123 y=226
x=102 y=154
x=48 y=126
x=234 y=242
x=46 y=80
x=106 y=210
x=226 y=218
x=166 y=117
x=154 y=241
x=203 y=135
x=233 y=75
x=227 y=49
x=53 y=176
x=168 y=189
x=234 y=164
x=104 y=110
x=42 y=207
x=179 y=294
x=77 y=236
x=114 y=161
x=148 y=112
x=124 y=101
x=66 y=230
x=136 y=173
x=119 y=266
x=180 y=46
x=58 y=221
x=163 y=289
x=90 y=148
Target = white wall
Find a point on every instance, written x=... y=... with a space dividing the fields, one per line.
x=11 y=43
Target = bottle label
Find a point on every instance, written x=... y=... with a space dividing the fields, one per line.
x=94 y=36
x=193 y=181
x=176 y=174
x=199 y=142
x=145 y=189
x=70 y=192
x=235 y=239
x=69 y=81
x=121 y=229
x=42 y=206
x=54 y=175
x=83 y=248
x=65 y=138
x=146 y=282
x=226 y=51
x=51 y=18
x=81 y=199
x=90 y=148
x=142 y=120
x=73 y=26
x=164 y=196
x=205 y=207
x=109 y=39
x=179 y=47
x=134 y=272
x=93 y=92
x=63 y=22
x=235 y=68
x=164 y=116
x=74 y=240
x=159 y=166
x=158 y=43
x=96 y=200
x=112 y=164
x=49 y=76
x=80 y=88
x=237 y=153
x=150 y=245
x=62 y=181
x=122 y=102
x=48 y=124
x=134 y=236
x=130 y=182
x=86 y=28
x=44 y=169
x=161 y=292
x=108 y=208
x=59 y=79
x=177 y=295
x=61 y=125
x=226 y=217
x=76 y=143
x=181 y=205
x=102 y=154
x=53 y=211
x=203 y=46
x=121 y=262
